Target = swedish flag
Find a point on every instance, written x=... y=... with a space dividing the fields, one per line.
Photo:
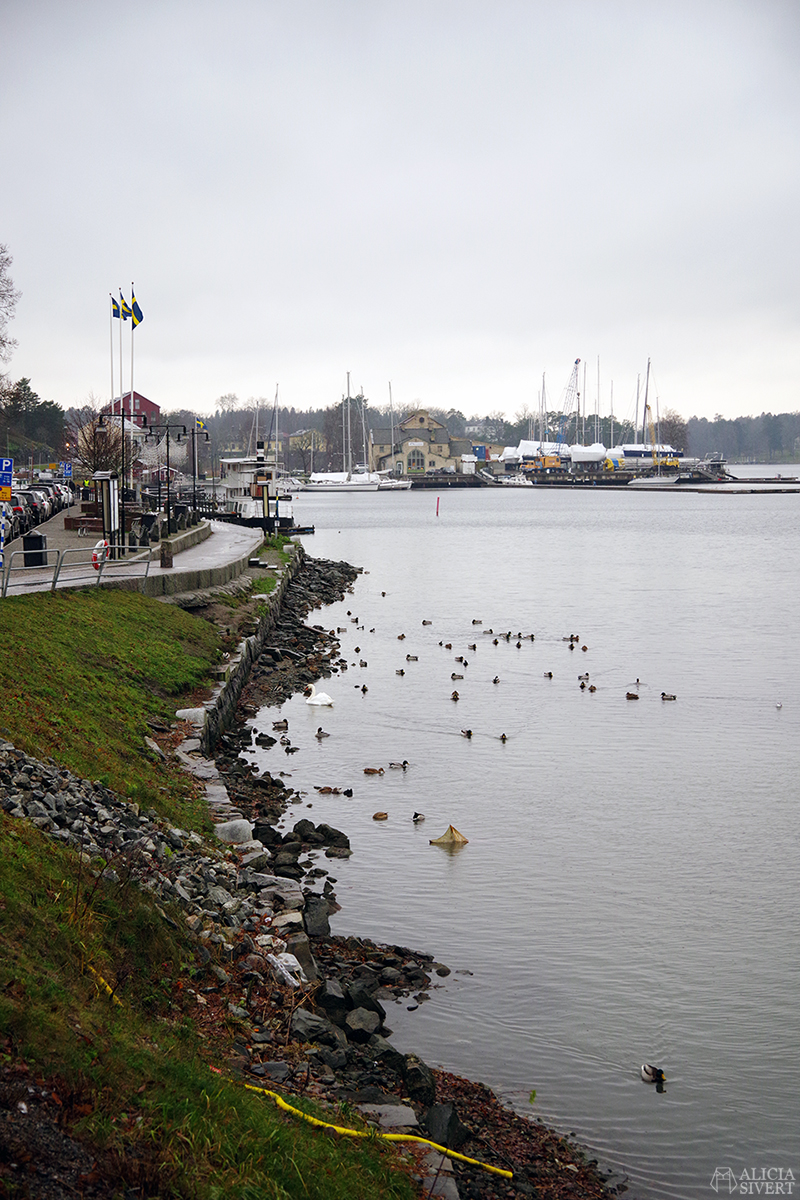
x=200 y=425
x=114 y=308
x=136 y=313
x=123 y=304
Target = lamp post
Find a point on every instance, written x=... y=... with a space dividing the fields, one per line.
x=154 y=433
x=195 y=432
x=102 y=428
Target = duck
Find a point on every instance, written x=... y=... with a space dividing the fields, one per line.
x=631 y=695
x=487 y=631
x=473 y=646
x=315 y=697
x=467 y=733
x=400 y=672
x=584 y=648
x=427 y=622
x=380 y=816
x=592 y=688
x=285 y=741
x=280 y=724
x=401 y=637
x=411 y=658
x=341 y=629
x=448 y=645
x=586 y=677
x=454 y=676
x=548 y=674
x=572 y=645
x=460 y=658
x=477 y=622
x=364 y=689
x=291 y=749
x=519 y=645
x=651 y=1074
x=778 y=705
x=503 y=737
x=374 y=771
x=496 y=679
x=417 y=817
x=383 y=593
x=454 y=695
x=669 y=696
x=347 y=792
x=583 y=685
x=399 y=766
x=321 y=733
x=356 y=649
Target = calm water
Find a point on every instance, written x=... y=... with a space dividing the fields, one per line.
x=628 y=893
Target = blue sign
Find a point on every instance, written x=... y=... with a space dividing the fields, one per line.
x=66 y=469
x=6 y=471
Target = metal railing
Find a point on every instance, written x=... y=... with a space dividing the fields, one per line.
x=103 y=568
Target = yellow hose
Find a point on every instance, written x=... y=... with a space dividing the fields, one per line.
x=387 y=1137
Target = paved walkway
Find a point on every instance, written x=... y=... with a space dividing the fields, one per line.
x=222 y=556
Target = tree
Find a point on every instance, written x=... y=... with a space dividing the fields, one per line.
x=673 y=429
x=95 y=446
x=8 y=302
x=228 y=402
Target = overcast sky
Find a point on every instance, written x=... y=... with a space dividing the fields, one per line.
x=456 y=196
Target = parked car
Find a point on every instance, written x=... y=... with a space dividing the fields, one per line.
x=36 y=503
x=21 y=508
x=47 y=502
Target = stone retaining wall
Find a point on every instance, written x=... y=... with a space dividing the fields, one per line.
x=220 y=710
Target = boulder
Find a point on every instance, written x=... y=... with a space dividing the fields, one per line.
x=331 y=999
x=360 y=997
x=315 y=915
x=334 y=837
x=419 y=1081
x=361 y=1024
x=382 y=1051
x=235 y=833
x=299 y=945
x=444 y=1126
x=308 y=1027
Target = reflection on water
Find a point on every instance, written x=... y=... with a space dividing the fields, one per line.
x=627 y=893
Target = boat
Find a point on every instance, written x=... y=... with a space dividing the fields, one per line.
x=343 y=481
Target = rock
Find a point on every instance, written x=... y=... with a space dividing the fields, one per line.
x=361 y=1024
x=391 y=1116
x=419 y=1081
x=334 y=837
x=235 y=832
x=308 y=1027
x=444 y=1126
x=382 y=1051
x=331 y=999
x=360 y=997
x=277 y=1071
x=299 y=945
x=315 y=915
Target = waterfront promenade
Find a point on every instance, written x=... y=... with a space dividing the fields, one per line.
x=210 y=554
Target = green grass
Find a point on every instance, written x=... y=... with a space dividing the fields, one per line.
x=276 y=543
x=82 y=671
x=134 y=1076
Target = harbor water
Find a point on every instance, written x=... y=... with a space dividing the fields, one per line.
x=628 y=893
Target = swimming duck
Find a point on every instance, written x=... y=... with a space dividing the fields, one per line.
x=586 y=677
x=356 y=649
x=321 y=733
x=374 y=771
x=496 y=679
x=454 y=676
x=495 y=642
x=631 y=695
x=380 y=816
x=460 y=658
x=584 y=648
x=285 y=741
x=572 y=645
x=474 y=646
x=503 y=737
x=454 y=696
x=417 y=817
x=477 y=622
x=583 y=685
x=401 y=637
x=315 y=697
x=651 y=1074
x=399 y=766
x=778 y=705
x=400 y=672
x=347 y=792
x=548 y=674
x=667 y=696
x=592 y=688
x=448 y=645
x=365 y=689
x=467 y=733
x=427 y=622
x=362 y=662
x=280 y=724
x=291 y=749
x=411 y=658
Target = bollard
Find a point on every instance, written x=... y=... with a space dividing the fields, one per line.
x=166 y=554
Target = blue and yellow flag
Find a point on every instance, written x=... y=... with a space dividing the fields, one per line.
x=114 y=308
x=136 y=313
x=123 y=303
x=200 y=425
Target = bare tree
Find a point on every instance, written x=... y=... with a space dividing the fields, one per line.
x=8 y=303
x=228 y=402
x=96 y=446
x=673 y=429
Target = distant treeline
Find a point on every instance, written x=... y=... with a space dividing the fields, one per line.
x=768 y=438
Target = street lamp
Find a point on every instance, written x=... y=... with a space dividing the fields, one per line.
x=153 y=434
x=195 y=432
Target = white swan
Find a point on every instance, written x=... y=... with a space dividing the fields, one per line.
x=317 y=697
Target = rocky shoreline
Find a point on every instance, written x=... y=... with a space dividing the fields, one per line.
x=309 y=1009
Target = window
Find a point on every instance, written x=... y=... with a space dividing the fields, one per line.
x=431 y=462
x=416 y=460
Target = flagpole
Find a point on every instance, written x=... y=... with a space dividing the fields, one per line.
x=111 y=345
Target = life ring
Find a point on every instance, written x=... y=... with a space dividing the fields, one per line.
x=97 y=554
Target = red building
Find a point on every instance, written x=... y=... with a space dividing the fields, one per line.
x=136 y=411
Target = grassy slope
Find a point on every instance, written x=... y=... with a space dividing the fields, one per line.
x=80 y=674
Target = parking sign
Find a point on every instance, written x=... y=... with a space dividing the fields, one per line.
x=6 y=471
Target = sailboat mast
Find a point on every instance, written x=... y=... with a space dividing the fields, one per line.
x=349 y=431
x=391 y=419
x=277 y=440
x=611 y=443
x=636 y=422
x=646 y=392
